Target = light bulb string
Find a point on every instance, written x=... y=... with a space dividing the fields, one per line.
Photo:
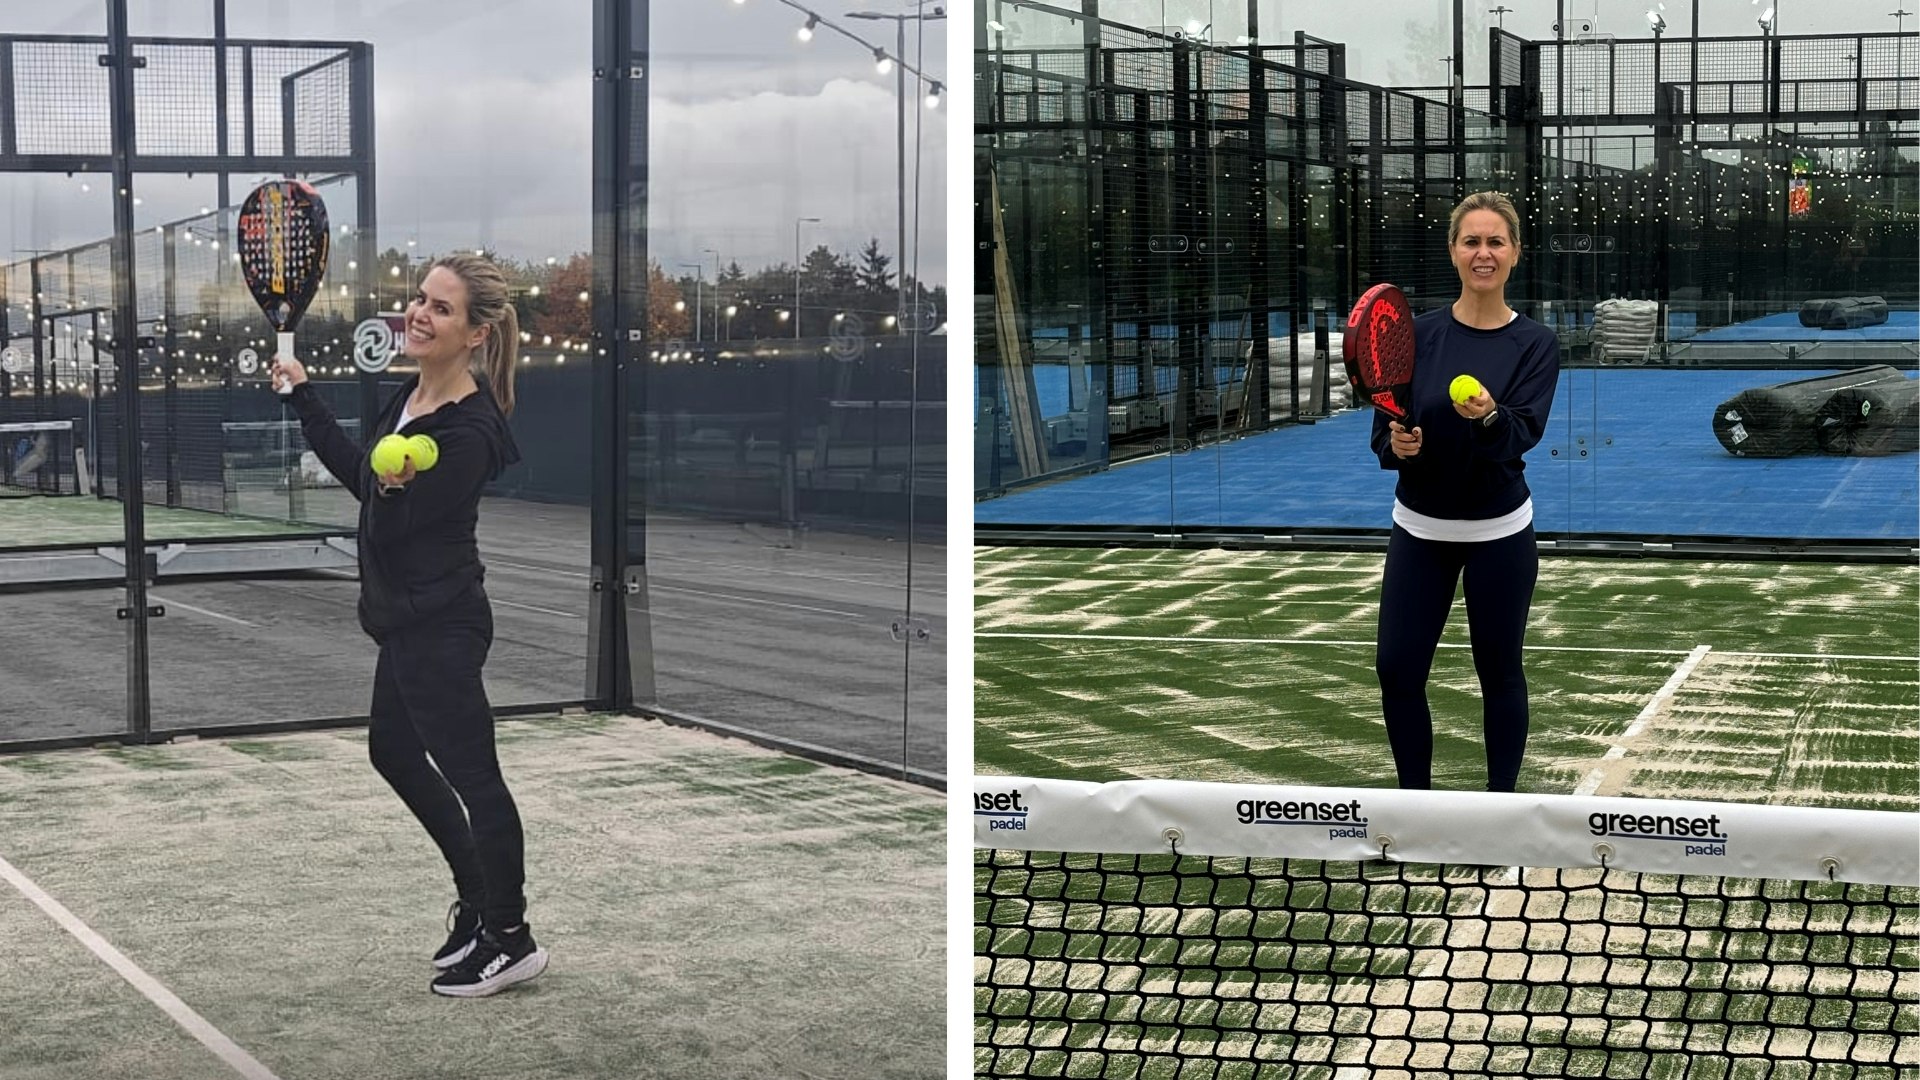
x=879 y=51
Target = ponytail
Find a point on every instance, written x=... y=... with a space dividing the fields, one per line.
x=489 y=305
x=499 y=353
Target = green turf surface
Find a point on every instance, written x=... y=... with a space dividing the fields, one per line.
x=713 y=909
x=1257 y=666
x=40 y=521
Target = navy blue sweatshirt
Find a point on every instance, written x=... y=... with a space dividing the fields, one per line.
x=418 y=553
x=1466 y=470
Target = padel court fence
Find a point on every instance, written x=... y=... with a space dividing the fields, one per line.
x=1173 y=229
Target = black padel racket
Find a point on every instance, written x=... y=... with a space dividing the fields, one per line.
x=283 y=253
x=1378 y=349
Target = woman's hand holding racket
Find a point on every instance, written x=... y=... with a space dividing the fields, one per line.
x=287 y=373
x=1404 y=443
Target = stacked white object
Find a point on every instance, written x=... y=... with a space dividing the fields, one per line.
x=1624 y=330
x=1280 y=373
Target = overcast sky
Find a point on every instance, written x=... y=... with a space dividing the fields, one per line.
x=483 y=119
x=483 y=108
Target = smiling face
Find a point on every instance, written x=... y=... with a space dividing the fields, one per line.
x=1484 y=252
x=437 y=327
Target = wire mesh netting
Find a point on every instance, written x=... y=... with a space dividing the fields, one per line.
x=1091 y=965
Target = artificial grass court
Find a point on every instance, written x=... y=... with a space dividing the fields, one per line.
x=1788 y=682
x=713 y=910
x=51 y=521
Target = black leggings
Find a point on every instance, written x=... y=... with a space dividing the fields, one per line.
x=432 y=739
x=1416 y=594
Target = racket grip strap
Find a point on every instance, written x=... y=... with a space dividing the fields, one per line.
x=283 y=350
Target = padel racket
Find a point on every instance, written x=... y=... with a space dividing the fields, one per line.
x=283 y=253
x=1378 y=349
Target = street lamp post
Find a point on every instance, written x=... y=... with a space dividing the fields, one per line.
x=900 y=108
x=698 y=293
x=715 y=252
x=1899 y=53
x=796 y=272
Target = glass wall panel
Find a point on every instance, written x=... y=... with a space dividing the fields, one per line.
x=791 y=459
x=64 y=645
x=414 y=159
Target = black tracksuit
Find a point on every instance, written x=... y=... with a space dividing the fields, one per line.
x=422 y=601
x=1464 y=471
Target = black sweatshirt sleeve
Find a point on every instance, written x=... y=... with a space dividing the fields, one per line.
x=1522 y=418
x=343 y=457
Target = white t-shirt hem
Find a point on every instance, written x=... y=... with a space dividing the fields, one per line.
x=1462 y=530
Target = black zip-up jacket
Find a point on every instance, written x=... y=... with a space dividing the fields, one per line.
x=1467 y=470
x=418 y=553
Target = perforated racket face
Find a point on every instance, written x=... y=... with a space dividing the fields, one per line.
x=1378 y=348
x=283 y=248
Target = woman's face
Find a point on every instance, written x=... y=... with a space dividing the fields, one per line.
x=437 y=327
x=1483 y=253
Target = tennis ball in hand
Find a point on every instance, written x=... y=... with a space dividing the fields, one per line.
x=390 y=455
x=1464 y=387
x=425 y=452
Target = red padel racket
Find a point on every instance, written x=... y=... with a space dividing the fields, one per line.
x=1378 y=349
x=283 y=253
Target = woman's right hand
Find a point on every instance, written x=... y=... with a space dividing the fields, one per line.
x=1405 y=444
x=287 y=373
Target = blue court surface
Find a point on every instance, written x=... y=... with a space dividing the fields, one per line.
x=1627 y=452
x=1900 y=326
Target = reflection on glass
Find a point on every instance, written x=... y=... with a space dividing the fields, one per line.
x=790 y=455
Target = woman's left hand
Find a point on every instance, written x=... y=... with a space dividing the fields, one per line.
x=403 y=477
x=1476 y=406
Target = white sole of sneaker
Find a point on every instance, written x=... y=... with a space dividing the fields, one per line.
x=447 y=961
x=533 y=964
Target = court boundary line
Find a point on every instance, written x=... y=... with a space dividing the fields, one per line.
x=1655 y=708
x=1055 y=635
x=183 y=1014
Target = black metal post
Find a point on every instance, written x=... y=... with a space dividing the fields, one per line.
x=170 y=362
x=619 y=651
x=126 y=354
x=366 y=219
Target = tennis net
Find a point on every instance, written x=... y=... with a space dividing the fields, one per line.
x=38 y=457
x=1171 y=931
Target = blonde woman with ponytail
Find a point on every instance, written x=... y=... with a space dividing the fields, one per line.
x=422 y=601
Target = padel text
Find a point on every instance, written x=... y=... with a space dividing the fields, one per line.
x=1002 y=810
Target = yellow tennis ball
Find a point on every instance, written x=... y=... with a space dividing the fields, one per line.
x=390 y=455
x=426 y=452
x=1464 y=387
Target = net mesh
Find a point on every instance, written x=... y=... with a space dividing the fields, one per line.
x=1240 y=932
x=1166 y=966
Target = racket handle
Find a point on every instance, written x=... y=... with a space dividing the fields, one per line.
x=284 y=350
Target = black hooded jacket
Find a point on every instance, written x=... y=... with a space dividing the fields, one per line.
x=418 y=553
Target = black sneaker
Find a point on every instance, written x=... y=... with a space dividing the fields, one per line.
x=463 y=930
x=496 y=962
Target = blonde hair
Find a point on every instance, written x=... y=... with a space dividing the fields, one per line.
x=489 y=305
x=1486 y=200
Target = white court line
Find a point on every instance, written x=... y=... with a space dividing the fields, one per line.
x=1444 y=645
x=725 y=598
x=530 y=607
x=224 y=1048
x=1654 y=708
x=204 y=611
